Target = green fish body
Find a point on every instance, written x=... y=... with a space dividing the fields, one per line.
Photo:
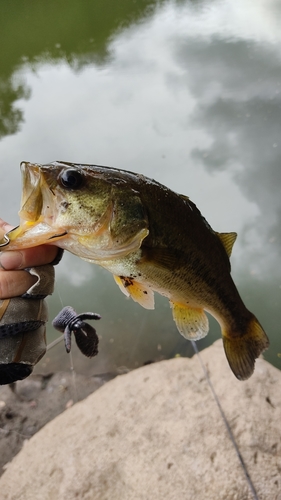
x=150 y=238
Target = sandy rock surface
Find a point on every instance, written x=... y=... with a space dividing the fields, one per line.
x=35 y=401
x=156 y=433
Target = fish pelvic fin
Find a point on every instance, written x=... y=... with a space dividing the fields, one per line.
x=144 y=295
x=228 y=240
x=191 y=322
x=242 y=350
x=119 y=282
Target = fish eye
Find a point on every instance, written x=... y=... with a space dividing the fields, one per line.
x=71 y=179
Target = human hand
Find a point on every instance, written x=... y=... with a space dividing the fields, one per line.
x=14 y=281
x=23 y=316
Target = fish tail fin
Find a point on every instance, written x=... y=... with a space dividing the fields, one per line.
x=243 y=349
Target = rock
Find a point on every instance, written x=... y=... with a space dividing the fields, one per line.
x=33 y=402
x=157 y=433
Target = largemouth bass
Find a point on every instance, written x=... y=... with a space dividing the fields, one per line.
x=150 y=239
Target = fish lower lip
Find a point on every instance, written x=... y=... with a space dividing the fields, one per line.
x=6 y=240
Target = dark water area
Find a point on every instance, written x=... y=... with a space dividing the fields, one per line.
x=186 y=92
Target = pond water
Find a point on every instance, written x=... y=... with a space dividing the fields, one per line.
x=186 y=92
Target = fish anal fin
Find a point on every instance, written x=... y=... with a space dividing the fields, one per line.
x=242 y=349
x=191 y=322
x=228 y=240
x=140 y=293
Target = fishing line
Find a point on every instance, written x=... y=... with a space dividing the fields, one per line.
x=73 y=373
x=72 y=370
x=228 y=428
x=55 y=342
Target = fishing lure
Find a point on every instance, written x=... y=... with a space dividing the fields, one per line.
x=68 y=322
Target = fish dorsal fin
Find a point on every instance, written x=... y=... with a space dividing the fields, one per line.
x=228 y=240
x=140 y=293
x=184 y=197
x=191 y=322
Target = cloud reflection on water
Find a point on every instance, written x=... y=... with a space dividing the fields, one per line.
x=189 y=96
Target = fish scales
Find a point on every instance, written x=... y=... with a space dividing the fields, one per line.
x=150 y=238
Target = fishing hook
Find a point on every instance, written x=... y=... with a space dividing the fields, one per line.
x=6 y=240
x=6 y=237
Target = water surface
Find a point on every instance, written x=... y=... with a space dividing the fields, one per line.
x=185 y=92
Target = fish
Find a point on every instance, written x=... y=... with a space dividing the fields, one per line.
x=150 y=238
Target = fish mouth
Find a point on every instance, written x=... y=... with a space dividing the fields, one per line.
x=36 y=213
x=16 y=237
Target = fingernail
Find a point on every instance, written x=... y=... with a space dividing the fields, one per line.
x=11 y=260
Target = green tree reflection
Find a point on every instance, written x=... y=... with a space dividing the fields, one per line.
x=77 y=32
x=10 y=116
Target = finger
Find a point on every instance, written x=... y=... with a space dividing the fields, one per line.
x=19 y=259
x=4 y=227
x=15 y=283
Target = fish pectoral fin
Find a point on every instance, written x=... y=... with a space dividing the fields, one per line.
x=228 y=240
x=160 y=257
x=139 y=292
x=191 y=322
